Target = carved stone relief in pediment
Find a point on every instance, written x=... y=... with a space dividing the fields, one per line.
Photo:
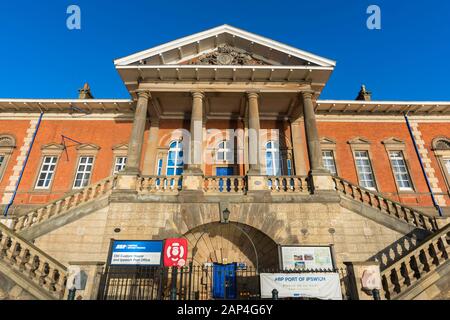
x=227 y=55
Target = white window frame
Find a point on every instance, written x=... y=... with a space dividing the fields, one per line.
x=120 y=161
x=327 y=158
x=48 y=173
x=224 y=148
x=84 y=182
x=400 y=169
x=178 y=147
x=274 y=153
x=362 y=182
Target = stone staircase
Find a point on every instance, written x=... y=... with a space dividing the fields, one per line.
x=64 y=210
x=418 y=270
x=29 y=267
x=390 y=213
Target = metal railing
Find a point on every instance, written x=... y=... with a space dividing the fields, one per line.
x=187 y=283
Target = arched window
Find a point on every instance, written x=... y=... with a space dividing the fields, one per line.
x=273 y=164
x=7 y=145
x=224 y=151
x=175 y=159
x=441 y=148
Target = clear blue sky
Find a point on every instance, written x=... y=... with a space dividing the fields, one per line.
x=408 y=59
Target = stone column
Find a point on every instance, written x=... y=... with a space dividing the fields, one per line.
x=193 y=174
x=149 y=167
x=137 y=134
x=299 y=160
x=312 y=135
x=320 y=178
x=246 y=160
x=253 y=134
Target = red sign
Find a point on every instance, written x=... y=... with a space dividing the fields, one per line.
x=175 y=252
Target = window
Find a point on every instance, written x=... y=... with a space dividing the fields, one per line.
x=159 y=169
x=2 y=159
x=400 y=170
x=289 y=167
x=447 y=165
x=273 y=167
x=46 y=173
x=175 y=159
x=120 y=164
x=7 y=145
x=84 y=171
x=224 y=151
x=364 y=168
x=329 y=162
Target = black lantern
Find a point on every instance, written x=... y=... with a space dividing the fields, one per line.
x=225 y=216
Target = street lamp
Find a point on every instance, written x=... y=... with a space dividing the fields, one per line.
x=225 y=218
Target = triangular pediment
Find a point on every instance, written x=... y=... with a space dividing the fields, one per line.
x=326 y=140
x=53 y=146
x=87 y=147
x=244 y=48
x=393 y=140
x=359 y=140
x=120 y=147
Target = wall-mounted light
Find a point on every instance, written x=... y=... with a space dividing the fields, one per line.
x=225 y=216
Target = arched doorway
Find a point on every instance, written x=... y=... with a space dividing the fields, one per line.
x=231 y=243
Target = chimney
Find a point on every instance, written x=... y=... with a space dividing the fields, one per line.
x=364 y=95
x=85 y=92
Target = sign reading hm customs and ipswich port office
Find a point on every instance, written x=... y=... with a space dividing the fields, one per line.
x=136 y=253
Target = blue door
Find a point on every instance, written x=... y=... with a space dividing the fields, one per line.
x=223 y=172
x=224 y=281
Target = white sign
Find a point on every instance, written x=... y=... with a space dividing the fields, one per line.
x=324 y=286
x=306 y=258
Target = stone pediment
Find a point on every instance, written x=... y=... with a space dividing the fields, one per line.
x=359 y=140
x=53 y=146
x=228 y=55
x=393 y=140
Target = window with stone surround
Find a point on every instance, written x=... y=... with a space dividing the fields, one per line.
x=401 y=172
x=84 y=171
x=363 y=162
x=328 y=161
x=224 y=151
x=7 y=145
x=46 y=173
x=441 y=149
x=365 y=171
x=85 y=165
x=120 y=164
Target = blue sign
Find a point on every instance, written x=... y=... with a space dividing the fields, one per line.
x=136 y=253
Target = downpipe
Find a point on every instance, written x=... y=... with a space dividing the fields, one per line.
x=433 y=198
x=8 y=206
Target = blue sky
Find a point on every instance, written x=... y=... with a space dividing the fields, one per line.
x=408 y=59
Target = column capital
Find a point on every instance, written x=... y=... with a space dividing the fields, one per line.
x=307 y=94
x=198 y=94
x=154 y=122
x=252 y=94
x=144 y=94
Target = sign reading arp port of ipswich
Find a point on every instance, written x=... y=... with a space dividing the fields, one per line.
x=136 y=253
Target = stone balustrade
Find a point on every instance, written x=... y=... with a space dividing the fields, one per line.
x=225 y=184
x=390 y=207
x=287 y=184
x=64 y=204
x=33 y=264
x=159 y=184
x=414 y=266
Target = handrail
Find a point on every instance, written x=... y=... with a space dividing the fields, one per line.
x=33 y=263
x=407 y=271
x=63 y=204
x=393 y=208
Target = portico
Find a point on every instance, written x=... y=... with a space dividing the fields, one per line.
x=227 y=75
